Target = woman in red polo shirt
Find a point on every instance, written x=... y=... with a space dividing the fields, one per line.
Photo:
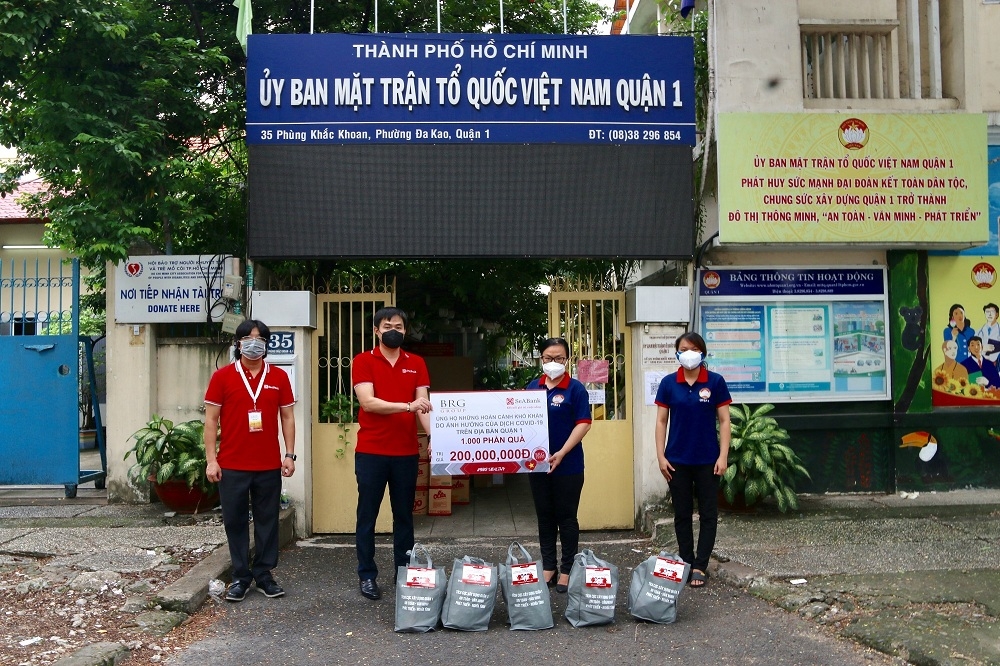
x=695 y=454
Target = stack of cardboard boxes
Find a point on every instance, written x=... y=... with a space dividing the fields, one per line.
x=436 y=494
x=421 y=499
x=440 y=496
x=460 y=489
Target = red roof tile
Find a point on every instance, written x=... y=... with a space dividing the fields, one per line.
x=11 y=212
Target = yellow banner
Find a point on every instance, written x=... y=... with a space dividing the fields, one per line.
x=915 y=180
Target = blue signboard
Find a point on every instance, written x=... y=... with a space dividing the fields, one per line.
x=775 y=282
x=797 y=333
x=470 y=88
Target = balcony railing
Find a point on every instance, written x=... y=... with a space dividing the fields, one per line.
x=891 y=63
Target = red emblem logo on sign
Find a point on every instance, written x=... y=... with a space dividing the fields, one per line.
x=539 y=454
x=133 y=269
x=853 y=133
x=984 y=275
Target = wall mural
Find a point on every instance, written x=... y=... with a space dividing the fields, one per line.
x=964 y=331
x=853 y=461
x=948 y=328
x=951 y=457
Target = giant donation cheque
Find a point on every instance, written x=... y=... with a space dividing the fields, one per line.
x=489 y=432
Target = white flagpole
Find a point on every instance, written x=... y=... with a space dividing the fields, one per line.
x=312 y=15
x=376 y=15
x=565 y=30
x=439 y=16
x=501 y=17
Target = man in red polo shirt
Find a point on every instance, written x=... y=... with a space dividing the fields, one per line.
x=392 y=389
x=248 y=398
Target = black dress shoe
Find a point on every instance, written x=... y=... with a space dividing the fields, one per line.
x=237 y=591
x=270 y=589
x=369 y=589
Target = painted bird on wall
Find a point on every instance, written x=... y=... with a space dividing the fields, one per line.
x=922 y=440
x=933 y=465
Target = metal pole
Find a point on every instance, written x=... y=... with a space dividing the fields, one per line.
x=501 y=17
x=376 y=15
x=312 y=15
x=565 y=30
x=439 y=16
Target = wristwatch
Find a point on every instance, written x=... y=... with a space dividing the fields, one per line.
x=292 y=456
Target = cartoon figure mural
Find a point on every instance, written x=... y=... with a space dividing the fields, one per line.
x=990 y=332
x=972 y=280
x=951 y=370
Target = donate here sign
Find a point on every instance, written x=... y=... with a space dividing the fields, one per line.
x=470 y=88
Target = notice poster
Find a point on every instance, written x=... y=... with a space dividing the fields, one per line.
x=795 y=334
x=489 y=432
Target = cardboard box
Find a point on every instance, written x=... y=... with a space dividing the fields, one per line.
x=460 y=489
x=439 y=503
x=423 y=444
x=420 y=502
x=442 y=481
x=423 y=473
x=482 y=481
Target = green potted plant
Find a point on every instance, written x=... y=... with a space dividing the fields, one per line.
x=341 y=409
x=172 y=458
x=761 y=464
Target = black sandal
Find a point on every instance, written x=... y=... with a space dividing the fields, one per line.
x=698 y=579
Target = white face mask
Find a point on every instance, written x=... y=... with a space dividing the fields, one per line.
x=554 y=370
x=690 y=359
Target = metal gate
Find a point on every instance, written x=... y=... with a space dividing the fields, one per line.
x=344 y=329
x=593 y=322
x=39 y=374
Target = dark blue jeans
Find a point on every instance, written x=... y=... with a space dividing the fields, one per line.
x=373 y=473
x=557 y=500
x=688 y=482
x=239 y=491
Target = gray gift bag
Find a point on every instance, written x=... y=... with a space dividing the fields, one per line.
x=656 y=586
x=593 y=587
x=472 y=593
x=523 y=586
x=420 y=590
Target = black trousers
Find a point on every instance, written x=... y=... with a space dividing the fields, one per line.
x=373 y=473
x=557 y=500
x=240 y=490
x=688 y=482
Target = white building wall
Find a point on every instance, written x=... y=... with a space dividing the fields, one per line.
x=988 y=27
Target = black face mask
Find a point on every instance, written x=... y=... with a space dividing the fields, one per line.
x=392 y=339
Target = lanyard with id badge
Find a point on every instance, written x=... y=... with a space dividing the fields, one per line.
x=254 y=417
